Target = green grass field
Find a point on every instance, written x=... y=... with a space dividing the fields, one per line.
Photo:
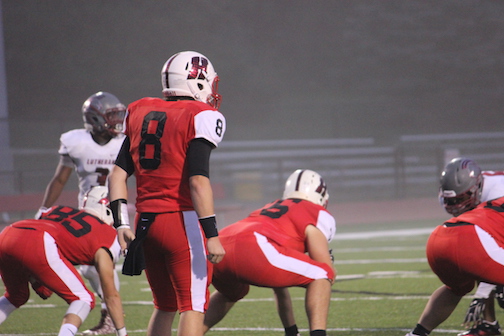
x=382 y=287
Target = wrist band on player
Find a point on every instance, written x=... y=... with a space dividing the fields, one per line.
x=209 y=225
x=119 y=209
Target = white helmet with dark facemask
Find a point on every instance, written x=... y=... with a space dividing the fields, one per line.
x=103 y=112
x=308 y=185
x=191 y=74
x=96 y=202
x=461 y=184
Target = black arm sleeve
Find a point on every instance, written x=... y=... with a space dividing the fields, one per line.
x=124 y=159
x=198 y=157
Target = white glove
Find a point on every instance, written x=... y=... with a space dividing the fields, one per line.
x=40 y=212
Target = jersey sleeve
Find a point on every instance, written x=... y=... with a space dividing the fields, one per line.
x=493 y=185
x=71 y=140
x=210 y=125
x=327 y=224
x=115 y=250
x=63 y=148
x=124 y=159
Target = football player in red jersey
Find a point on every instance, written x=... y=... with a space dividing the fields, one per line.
x=43 y=252
x=470 y=195
x=268 y=249
x=168 y=148
x=463 y=186
x=91 y=152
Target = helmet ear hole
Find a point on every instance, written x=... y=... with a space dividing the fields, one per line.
x=200 y=86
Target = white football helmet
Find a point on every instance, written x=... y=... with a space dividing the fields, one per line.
x=191 y=74
x=103 y=112
x=96 y=202
x=308 y=185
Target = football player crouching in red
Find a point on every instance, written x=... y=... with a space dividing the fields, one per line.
x=475 y=224
x=43 y=252
x=278 y=236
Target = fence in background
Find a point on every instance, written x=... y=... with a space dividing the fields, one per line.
x=354 y=169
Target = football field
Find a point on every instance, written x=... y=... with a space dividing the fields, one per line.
x=383 y=284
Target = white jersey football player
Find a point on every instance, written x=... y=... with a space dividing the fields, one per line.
x=463 y=187
x=91 y=152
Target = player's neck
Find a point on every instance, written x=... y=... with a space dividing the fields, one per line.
x=101 y=138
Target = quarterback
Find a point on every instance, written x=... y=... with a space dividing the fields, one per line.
x=168 y=148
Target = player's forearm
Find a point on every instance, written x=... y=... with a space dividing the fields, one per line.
x=202 y=195
x=284 y=306
x=118 y=187
x=53 y=191
x=114 y=306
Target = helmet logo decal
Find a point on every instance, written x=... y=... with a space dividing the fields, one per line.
x=199 y=68
x=322 y=188
x=464 y=164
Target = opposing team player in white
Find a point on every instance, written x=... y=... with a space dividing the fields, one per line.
x=463 y=185
x=91 y=151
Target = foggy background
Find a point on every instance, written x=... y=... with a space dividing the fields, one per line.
x=379 y=70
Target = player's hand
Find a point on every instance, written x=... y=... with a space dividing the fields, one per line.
x=474 y=314
x=40 y=289
x=215 y=249
x=125 y=236
x=41 y=212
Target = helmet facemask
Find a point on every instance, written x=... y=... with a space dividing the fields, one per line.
x=114 y=119
x=461 y=203
x=461 y=186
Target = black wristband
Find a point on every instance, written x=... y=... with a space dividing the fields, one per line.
x=209 y=225
x=119 y=209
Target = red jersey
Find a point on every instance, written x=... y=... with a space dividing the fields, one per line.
x=488 y=215
x=284 y=222
x=78 y=234
x=159 y=132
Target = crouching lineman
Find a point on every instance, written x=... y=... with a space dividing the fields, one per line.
x=463 y=185
x=268 y=249
x=459 y=267
x=43 y=251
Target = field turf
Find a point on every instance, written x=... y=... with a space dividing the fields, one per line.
x=382 y=287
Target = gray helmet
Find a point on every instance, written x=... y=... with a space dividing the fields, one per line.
x=460 y=186
x=103 y=112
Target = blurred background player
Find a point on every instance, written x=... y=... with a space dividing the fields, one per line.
x=268 y=249
x=91 y=152
x=463 y=187
x=43 y=252
x=168 y=148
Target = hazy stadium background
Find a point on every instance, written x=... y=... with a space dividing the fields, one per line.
x=377 y=94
